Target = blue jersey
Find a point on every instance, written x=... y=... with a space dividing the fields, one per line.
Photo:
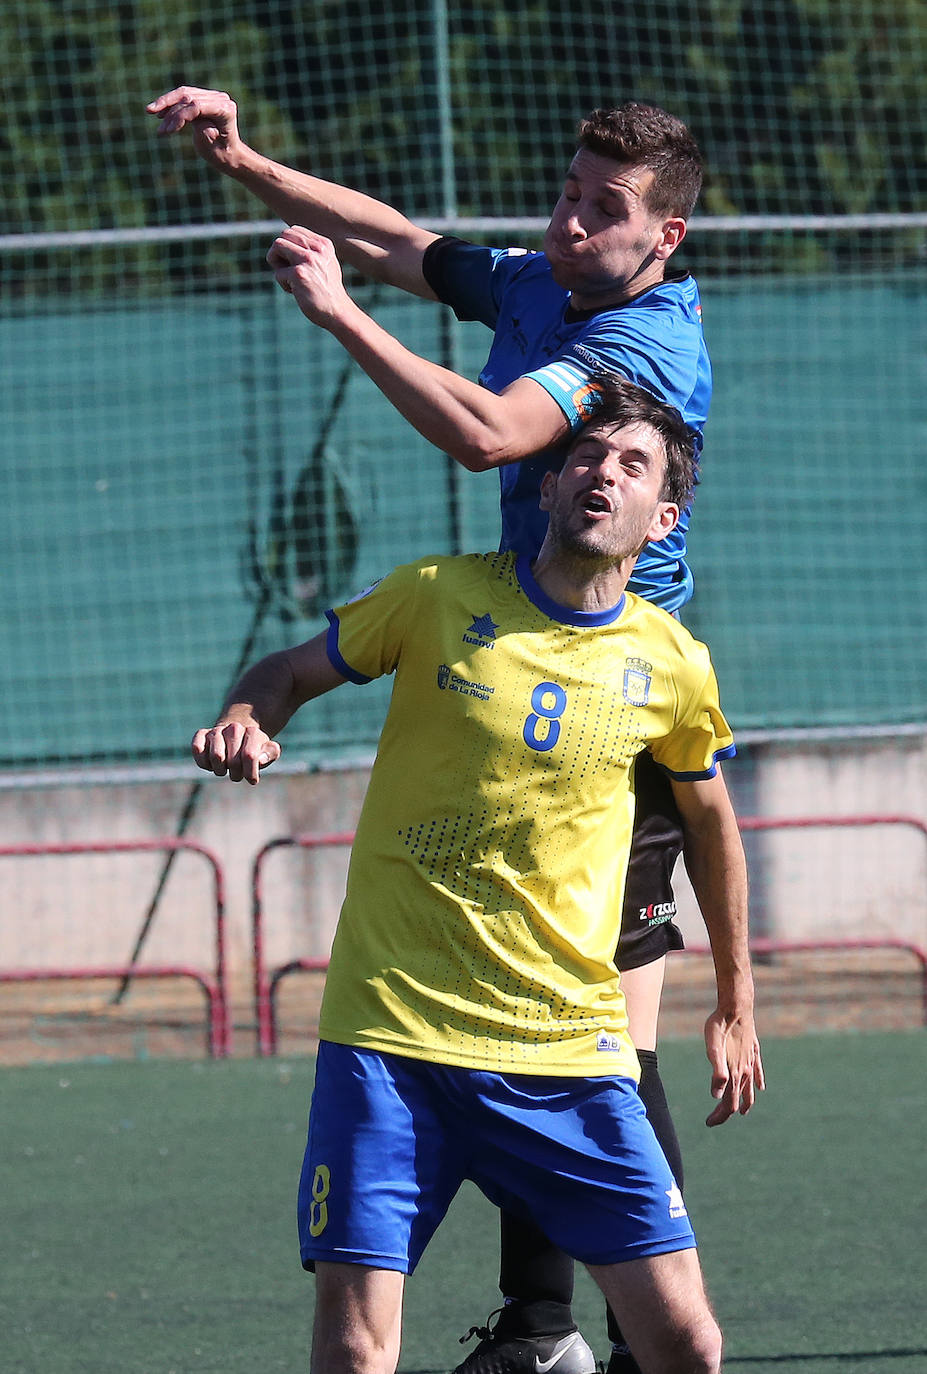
x=654 y=340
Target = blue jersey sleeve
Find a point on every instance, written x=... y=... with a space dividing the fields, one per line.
x=660 y=351
x=468 y=277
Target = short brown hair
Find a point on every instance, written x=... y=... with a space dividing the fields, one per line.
x=639 y=135
x=621 y=403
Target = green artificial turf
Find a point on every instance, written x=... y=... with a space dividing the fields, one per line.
x=149 y=1217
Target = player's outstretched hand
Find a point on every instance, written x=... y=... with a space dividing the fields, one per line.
x=212 y=115
x=306 y=265
x=736 y=1065
x=234 y=750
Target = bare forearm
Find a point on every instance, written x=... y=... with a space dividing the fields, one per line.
x=241 y=742
x=449 y=411
x=265 y=696
x=717 y=869
x=715 y=862
x=371 y=236
x=476 y=427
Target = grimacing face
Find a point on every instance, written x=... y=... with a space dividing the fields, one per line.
x=605 y=502
x=602 y=241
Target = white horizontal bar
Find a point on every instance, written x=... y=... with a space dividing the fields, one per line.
x=707 y=224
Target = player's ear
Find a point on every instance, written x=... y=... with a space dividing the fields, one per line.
x=665 y=520
x=672 y=233
x=548 y=490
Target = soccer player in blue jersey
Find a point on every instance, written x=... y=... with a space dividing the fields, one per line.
x=473 y=1024
x=600 y=296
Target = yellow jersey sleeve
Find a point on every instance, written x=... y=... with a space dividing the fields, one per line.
x=700 y=736
x=366 y=634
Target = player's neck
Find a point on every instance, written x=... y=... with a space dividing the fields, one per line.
x=581 y=583
x=585 y=303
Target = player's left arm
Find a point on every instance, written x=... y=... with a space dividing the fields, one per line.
x=714 y=859
x=476 y=427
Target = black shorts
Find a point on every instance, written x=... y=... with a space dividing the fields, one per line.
x=647 y=920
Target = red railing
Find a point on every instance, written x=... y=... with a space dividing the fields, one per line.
x=266 y=981
x=759 y=945
x=212 y=983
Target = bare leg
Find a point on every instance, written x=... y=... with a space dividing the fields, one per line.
x=358 y=1319
x=643 y=988
x=663 y=1311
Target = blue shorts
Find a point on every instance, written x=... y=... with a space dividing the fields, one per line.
x=391 y=1139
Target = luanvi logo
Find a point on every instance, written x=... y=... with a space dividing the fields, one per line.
x=482 y=633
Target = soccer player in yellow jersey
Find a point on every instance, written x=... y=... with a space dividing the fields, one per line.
x=473 y=1024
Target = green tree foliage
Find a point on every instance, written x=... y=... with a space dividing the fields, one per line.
x=78 y=151
x=801 y=106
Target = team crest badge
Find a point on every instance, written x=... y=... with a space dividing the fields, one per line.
x=637 y=679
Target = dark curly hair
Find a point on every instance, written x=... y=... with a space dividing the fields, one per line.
x=639 y=135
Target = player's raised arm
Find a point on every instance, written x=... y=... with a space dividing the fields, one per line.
x=241 y=742
x=715 y=862
x=477 y=427
x=368 y=234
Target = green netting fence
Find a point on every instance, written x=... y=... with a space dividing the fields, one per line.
x=192 y=472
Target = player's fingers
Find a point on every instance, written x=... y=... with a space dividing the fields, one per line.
x=759 y=1073
x=235 y=738
x=224 y=744
x=270 y=753
x=747 y=1093
x=248 y=758
x=262 y=753
x=720 y=1084
x=208 y=110
x=200 y=749
x=249 y=754
x=752 y=1079
x=202 y=96
x=209 y=750
x=296 y=244
x=715 y=1049
x=178 y=93
x=256 y=752
x=284 y=252
x=724 y=1110
x=178 y=118
x=165 y=101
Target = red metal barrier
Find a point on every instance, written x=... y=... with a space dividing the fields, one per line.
x=760 y=946
x=213 y=984
x=265 y=983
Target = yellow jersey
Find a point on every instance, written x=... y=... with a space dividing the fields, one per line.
x=484 y=891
